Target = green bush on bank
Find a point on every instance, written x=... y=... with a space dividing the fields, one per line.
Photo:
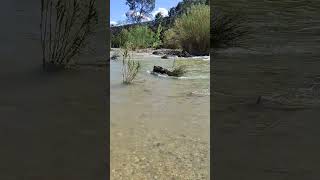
x=120 y=39
x=191 y=31
x=139 y=37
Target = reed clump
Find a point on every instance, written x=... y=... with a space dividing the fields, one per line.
x=227 y=30
x=130 y=68
x=65 y=29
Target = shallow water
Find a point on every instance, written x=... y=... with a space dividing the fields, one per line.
x=160 y=125
x=280 y=62
x=53 y=125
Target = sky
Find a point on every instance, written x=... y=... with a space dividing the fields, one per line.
x=118 y=8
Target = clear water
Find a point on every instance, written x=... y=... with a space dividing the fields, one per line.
x=160 y=125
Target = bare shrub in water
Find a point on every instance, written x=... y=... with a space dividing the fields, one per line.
x=65 y=28
x=130 y=68
x=178 y=70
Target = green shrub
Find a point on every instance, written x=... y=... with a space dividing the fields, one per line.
x=157 y=37
x=120 y=39
x=140 y=37
x=191 y=31
x=170 y=39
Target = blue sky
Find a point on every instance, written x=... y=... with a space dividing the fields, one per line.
x=118 y=8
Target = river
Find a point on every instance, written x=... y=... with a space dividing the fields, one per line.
x=160 y=125
x=278 y=62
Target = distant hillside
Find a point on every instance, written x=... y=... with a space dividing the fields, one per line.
x=150 y=24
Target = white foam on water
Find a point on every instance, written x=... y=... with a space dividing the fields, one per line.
x=182 y=77
x=193 y=77
x=157 y=74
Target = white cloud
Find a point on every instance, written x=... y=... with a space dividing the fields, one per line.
x=163 y=11
x=137 y=14
x=113 y=23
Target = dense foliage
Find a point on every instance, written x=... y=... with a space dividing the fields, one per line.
x=138 y=37
x=186 y=27
x=182 y=8
x=191 y=31
x=119 y=40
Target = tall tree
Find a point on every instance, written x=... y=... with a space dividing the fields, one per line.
x=139 y=10
x=158 y=18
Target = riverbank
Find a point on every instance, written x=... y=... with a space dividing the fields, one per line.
x=162 y=53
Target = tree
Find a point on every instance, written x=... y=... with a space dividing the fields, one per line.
x=139 y=10
x=183 y=6
x=158 y=19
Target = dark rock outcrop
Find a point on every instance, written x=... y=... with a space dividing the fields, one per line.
x=161 y=70
x=184 y=54
x=166 y=53
x=165 y=57
x=114 y=57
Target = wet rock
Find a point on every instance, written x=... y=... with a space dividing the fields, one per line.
x=157 y=53
x=168 y=52
x=165 y=57
x=184 y=54
x=114 y=57
x=161 y=70
x=174 y=53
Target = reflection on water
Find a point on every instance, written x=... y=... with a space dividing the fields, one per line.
x=160 y=125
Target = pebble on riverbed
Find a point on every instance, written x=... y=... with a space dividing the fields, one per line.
x=165 y=157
